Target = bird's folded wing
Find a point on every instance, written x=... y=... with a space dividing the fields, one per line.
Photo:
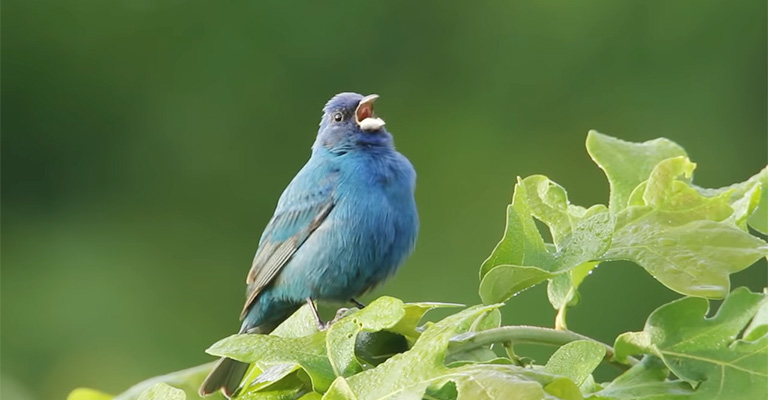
x=286 y=232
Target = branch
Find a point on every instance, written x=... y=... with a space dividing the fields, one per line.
x=528 y=335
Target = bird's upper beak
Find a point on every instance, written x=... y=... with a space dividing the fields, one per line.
x=364 y=115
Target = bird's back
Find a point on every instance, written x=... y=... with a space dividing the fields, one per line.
x=368 y=234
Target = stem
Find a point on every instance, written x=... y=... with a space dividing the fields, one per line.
x=560 y=319
x=529 y=335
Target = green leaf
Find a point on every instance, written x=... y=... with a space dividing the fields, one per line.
x=491 y=382
x=381 y=314
x=563 y=289
x=749 y=199
x=675 y=235
x=505 y=281
x=758 y=219
x=548 y=202
x=88 y=394
x=257 y=379
x=759 y=324
x=490 y=320
x=416 y=368
x=188 y=380
x=311 y=396
x=322 y=355
x=287 y=388
x=414 y=312
x=265 y=350
x=373 y=348
x=521 y=244
x=521 y=259
x=299 y=324
x=410 y=374
x=646 y=380
x=162 y=391
x=704 y=351
x=576 y=360
x=627 y=164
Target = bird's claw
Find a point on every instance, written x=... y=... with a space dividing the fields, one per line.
x=341 y=313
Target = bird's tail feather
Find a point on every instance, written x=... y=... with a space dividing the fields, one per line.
x=225 y=375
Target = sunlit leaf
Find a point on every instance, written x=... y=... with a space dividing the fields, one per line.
x=381 y=314
x=677 y=235
x=161 y=391
x=576 y=360
x=627 y=164
x=749 y=199
x=88 y=394
x=521 y=244
x=706 y=351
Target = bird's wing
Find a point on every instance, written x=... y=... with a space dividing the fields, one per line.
x=289 y=228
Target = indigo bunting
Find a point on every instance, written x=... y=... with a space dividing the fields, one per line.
x=344 y=224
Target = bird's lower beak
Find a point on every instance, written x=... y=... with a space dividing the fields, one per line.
x=364 y=115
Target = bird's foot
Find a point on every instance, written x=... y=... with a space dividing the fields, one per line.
x=321 y=326
x=357 y=304
x=341 y=313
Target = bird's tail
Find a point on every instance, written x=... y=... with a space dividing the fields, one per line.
x=225 y=375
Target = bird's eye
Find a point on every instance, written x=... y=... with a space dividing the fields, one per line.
x=337 y=116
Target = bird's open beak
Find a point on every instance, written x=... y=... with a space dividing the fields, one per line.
x=364 y=115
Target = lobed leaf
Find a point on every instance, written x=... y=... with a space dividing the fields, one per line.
x=321 y=355
x=521 y=244
x=414 y=312
x=706 y=352
x=627 y=164
x=749 y=200
x=341 y=338
x=677 y=236
x=646 y=380
x=521 y=259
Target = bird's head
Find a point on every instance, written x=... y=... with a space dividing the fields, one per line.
x=349 y=122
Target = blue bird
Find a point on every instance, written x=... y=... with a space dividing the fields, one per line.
x=344 y=224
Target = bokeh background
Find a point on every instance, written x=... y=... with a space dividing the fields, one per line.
x=145 y=143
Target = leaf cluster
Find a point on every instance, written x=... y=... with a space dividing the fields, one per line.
x=688 y=238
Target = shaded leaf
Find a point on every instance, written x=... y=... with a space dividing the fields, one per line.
x=374 y=348
x=287 y=388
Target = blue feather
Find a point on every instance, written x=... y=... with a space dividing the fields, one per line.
x=344 y=224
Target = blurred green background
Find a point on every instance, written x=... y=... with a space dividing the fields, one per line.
x=145 y=144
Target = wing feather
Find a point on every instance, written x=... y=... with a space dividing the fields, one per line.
x=284 y=235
